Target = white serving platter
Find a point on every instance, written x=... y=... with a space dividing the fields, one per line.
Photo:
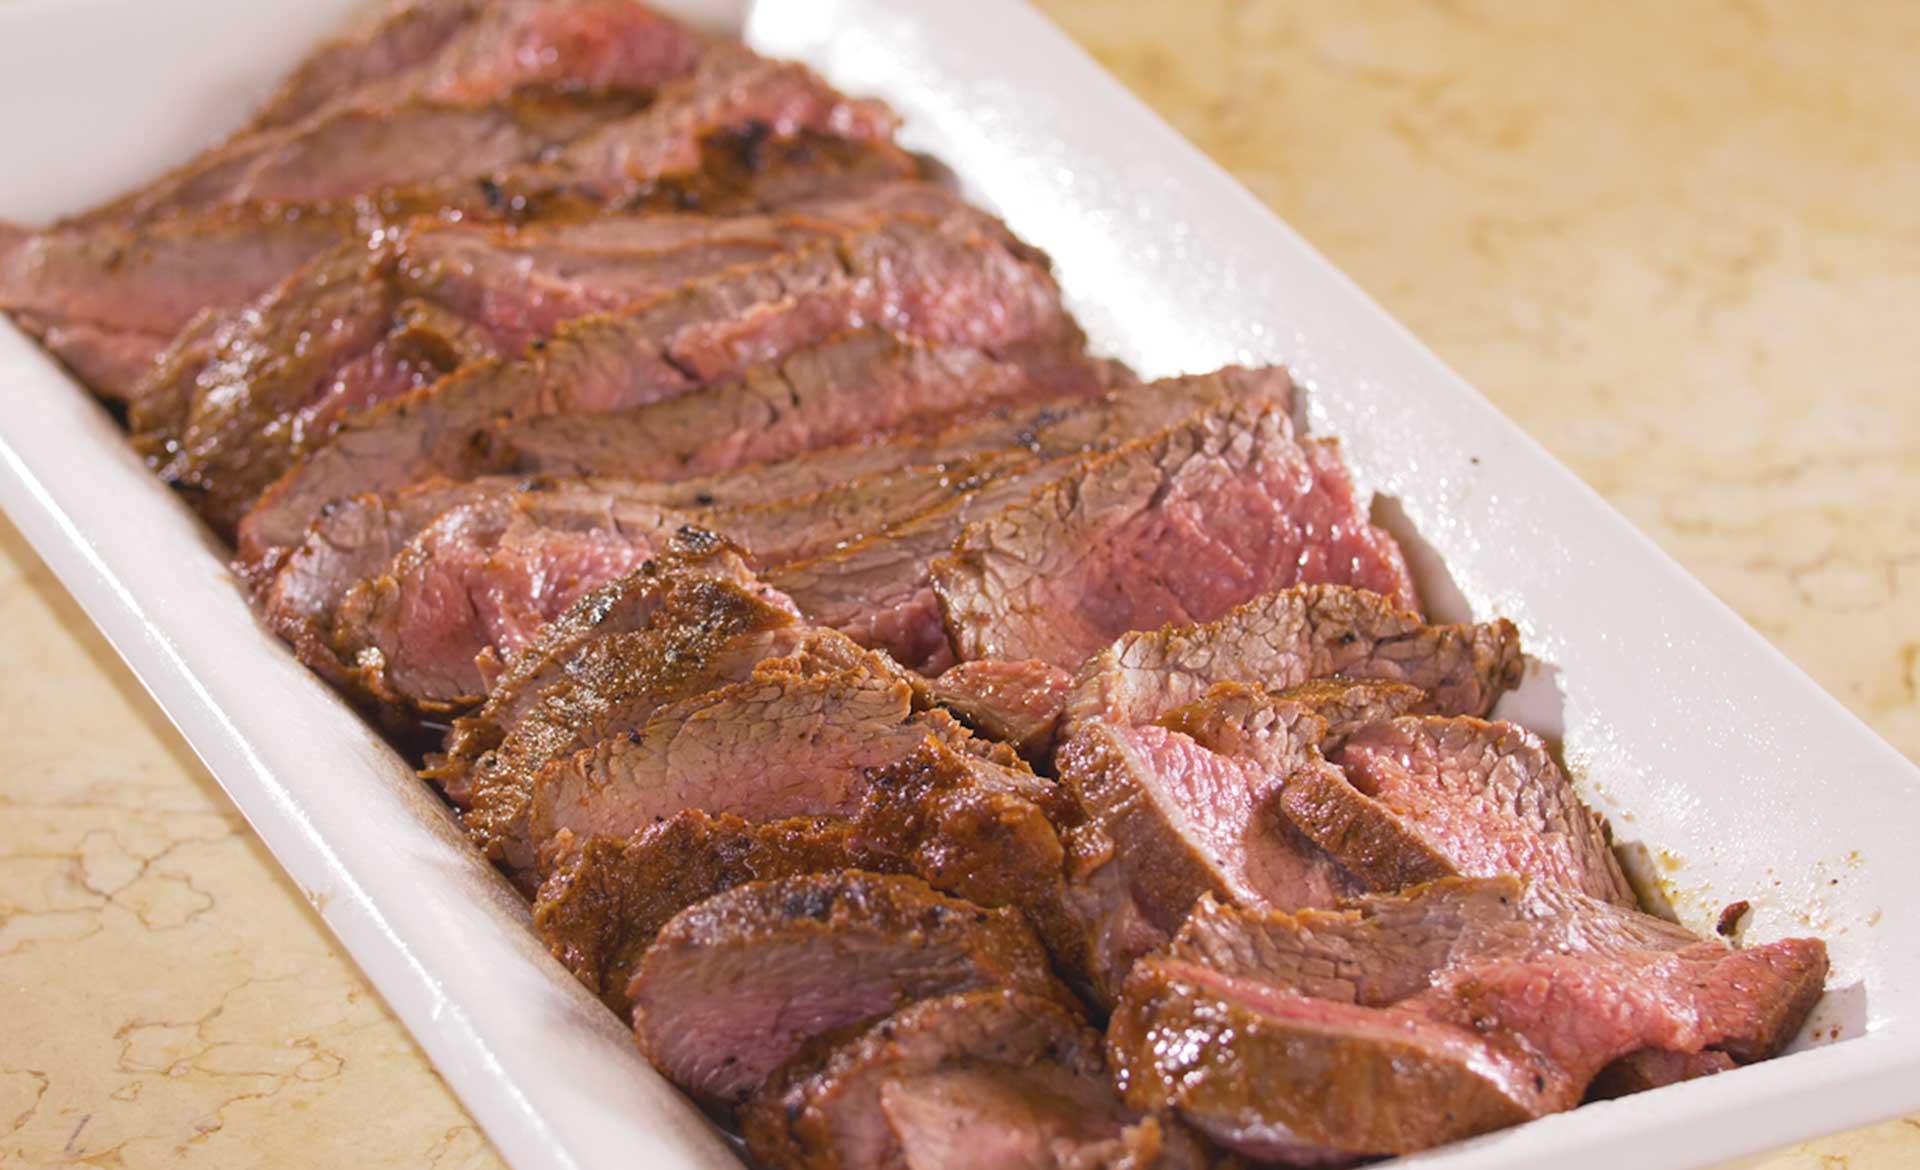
x=1680 y=722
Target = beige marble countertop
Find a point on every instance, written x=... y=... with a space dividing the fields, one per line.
x=1680 y=243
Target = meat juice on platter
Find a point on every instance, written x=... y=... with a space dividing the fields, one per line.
x=943 y=747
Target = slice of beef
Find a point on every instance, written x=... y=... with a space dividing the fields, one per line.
x=949 y=281
x=561 y=648
x=703 y=634
x=401 y=309
x=965 y=825
x=1165 y=821
x=1417 y=798
x=340 y=155
x=1177 y=528
x=1231 y=715
x=461 y=50
x=774 y=746
x=846 y=390
x=730 y=87
x=734 y=987
x=1292 y=637
x=990 y=1079
x=108 y=301
x=1655 y=1068
x=1017 y=703
x=474 y=585
x=1404 y=1022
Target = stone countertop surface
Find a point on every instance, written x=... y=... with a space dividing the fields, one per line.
x=1680 y=244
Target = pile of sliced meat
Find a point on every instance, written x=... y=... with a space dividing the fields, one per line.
x=874 y=690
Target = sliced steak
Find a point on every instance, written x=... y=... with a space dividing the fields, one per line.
x=475 y=585
x=734 y=987
x=1405 y=1022
x=1231 y=716
x=963 y=824
x=561 y=648
x=1292 y=637
x=461 y=50
x=991 y=1079
x=1165 y=821
x=776 y=745
x=1017 y=703
x=703 y=634
x=606 y=897
x=108 y=301
x=1417 y=798
x=950 y=281
x=846 y=390
x=1177 y=528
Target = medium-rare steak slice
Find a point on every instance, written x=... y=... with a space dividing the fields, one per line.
x=704 y=634
x=1017 y=703
x=1421 y=798
x=845 y=390
x=108 y=301
x=1167 y=820
x=474 y=585
x=561 y=648
x=734 y=987
x=1292 y=637
x=1403 y=1022
x=1177 y=528
x=1231 y=716
x=469 y=50
x=996 y=1080
x=951 y=281
x=965 y=825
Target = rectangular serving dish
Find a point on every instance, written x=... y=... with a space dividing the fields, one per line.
x=1680 y=722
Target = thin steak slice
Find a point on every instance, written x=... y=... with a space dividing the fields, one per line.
x=1167 y=820
x=474 y=585
x=107 y=302
x=734 y=987
x=1421 y=798
x=951 y=281
x=994 y=1080
x=1177 y=528
x=1292 y=637
x=1404 y=1022
x=965 y=825
x=1231 y=715
x=845 y=390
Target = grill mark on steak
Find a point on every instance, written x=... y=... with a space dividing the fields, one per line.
x=1179 y=527
x=1292 y=637
x=1421 y=798
x=1461 y=1006
x=735 y=986
x=943 y=281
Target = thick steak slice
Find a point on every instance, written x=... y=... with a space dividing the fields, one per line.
x=472 y=588
x=846 y=390
x=1295 y=636
x=462 y=50
x=1166 y=821
x=966 y=826
x=1017 y=703
x=108 y=301
x=1404 y=1022
x=1177 y=528
x=560 y=649
x=951 y=281
x=991 y=1079
x=1420 y=798
x=774 y=746
x=734 y=987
